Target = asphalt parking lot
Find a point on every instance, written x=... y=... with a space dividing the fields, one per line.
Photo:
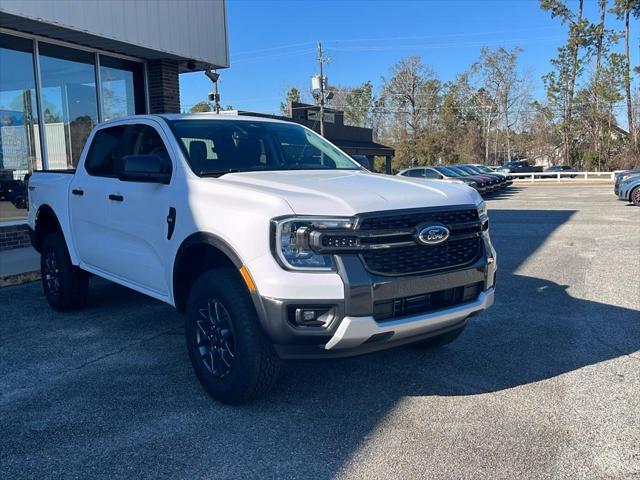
x=546 y=384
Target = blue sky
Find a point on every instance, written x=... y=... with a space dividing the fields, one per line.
x=272 y=43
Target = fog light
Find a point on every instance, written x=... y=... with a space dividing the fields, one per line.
x=311 y=316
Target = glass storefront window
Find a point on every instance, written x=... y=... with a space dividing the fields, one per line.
x=19 y=135
x=70 y=109
x=69 y=102
x=122 y=87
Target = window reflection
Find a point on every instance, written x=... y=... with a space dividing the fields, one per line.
x=19 y=140
x=69 y=109
x=69 y=101
x=122 y=87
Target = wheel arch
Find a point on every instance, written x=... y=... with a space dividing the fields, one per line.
x=198 y=253
x=46 y=222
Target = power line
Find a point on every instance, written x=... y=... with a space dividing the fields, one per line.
x=381 y=39
x=441 y=45
x=272 y=57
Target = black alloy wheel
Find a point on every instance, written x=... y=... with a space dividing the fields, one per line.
x=215 y=338
x=51 y=272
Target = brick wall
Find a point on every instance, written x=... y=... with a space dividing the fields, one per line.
x=15 y=236
x=164 y=89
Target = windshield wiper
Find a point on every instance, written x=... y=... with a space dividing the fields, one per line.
x=218 y=173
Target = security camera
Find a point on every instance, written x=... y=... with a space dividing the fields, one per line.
x=191 y=65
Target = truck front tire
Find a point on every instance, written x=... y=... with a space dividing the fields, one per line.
x=231 y=356
x=65 y=285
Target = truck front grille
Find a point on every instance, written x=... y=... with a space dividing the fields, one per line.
x=422 y=259
x=463 y=247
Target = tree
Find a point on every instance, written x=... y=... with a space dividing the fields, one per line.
x=624 y=9
x=292 y=95
x=567 y=65
x=410 y=97
x=358 y=105
x=504 y=92
x=460 y=133
x=200 y=107
x=594 y=114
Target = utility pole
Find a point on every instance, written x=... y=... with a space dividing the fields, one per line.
x=321 y=61
x=215 y=98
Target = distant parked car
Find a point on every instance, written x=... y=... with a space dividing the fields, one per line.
x=518 y=166
x=502 y=179
x=562 y=169
x=428 y=173
x=629 y=190
x=443 y=173
x=7 y=185
x=484 y=169
x=622 y=176
x=492 y=182
x=17 y=195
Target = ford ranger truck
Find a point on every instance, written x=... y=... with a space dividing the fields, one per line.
x=273 y=242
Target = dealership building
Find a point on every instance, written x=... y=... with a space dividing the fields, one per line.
x=67 y=65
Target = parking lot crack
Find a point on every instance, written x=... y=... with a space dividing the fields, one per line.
x=122 y=349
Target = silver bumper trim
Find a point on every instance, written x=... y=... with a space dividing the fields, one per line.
x=354 y=331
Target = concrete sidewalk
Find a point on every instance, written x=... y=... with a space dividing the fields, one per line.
x=19 y=265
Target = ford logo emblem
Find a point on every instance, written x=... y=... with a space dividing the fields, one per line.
x=433 y=234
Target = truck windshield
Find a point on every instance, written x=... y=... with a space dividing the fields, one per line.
x=216 y=147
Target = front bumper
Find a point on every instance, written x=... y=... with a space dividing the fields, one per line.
x=353 y=332
x=624 y=193
x=354 y=328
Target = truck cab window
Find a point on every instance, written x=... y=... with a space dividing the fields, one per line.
x=106 y=149
x=145 y=140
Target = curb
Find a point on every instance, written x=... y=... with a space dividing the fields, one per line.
x=19 y=279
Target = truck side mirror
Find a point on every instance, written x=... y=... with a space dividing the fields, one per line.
x=144 y=168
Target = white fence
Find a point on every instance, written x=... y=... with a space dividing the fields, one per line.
x=563 y=176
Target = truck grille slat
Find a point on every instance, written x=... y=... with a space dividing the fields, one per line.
x=410 y=220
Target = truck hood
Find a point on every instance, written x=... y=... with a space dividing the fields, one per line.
x=335 y=192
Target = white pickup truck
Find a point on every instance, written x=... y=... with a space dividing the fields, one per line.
x=274 y=243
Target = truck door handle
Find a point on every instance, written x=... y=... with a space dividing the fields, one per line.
x=77 y=191
x=116 y=198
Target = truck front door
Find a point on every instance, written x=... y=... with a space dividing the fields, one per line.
x=125 y=233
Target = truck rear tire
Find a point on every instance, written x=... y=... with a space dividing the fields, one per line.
x=65 y=285
x=231 y=356
x=440 y=340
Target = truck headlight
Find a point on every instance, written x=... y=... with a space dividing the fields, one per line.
x=482 y=209
x=291 y=242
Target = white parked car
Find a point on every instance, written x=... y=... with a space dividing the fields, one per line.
x=274 y=243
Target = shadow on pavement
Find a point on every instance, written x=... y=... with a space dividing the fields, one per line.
x=109 y=393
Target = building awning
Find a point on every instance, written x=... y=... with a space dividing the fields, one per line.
x=93 y=41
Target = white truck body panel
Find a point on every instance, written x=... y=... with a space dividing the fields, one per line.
x=125 y=242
